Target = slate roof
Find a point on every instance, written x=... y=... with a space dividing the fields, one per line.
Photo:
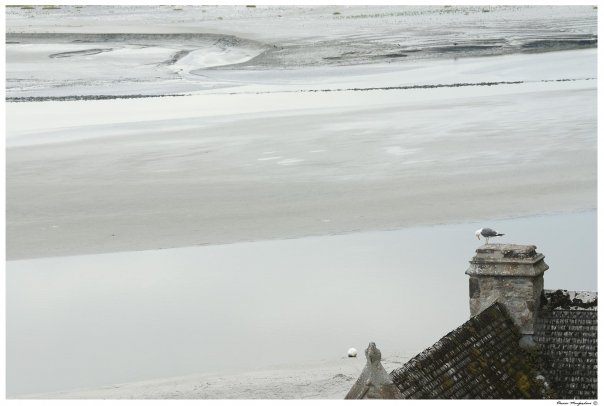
x=567 y=331
x=481 y=359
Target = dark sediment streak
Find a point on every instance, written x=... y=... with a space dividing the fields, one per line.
x=83 y=52
x=410 y=87
x=176 y=57
x=86 y=97
x=558 y=44
x=351 y=89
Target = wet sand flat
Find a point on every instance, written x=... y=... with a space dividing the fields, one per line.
x=383 y=160
x=157 y=50
x=281 y=132
x=333 y=161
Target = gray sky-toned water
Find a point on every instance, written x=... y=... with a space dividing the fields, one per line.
x=86 y=321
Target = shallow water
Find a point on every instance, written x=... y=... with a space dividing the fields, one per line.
x=86 y=321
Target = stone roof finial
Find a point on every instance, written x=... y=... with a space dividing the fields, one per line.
x=374 y=382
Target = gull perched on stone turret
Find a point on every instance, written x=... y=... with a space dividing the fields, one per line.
x=487 y=233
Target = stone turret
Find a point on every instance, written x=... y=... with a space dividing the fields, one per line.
x=374 y=382
x=511 y=275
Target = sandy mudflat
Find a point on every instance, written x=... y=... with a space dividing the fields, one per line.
x=290 y=122
x=326 y=380
x=104 y=176
x=297 y=121
x=168 y=49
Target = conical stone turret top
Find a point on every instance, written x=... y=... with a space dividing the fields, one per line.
x=374 y=382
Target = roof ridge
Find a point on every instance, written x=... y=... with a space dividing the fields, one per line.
x=481 y=358
x=561 y=299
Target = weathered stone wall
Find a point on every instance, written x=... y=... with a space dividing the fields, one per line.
x=511 y=275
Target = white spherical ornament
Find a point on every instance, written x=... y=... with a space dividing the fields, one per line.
x=352 y=352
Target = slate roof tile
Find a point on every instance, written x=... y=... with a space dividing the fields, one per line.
x=567 y=331
x=479 y=359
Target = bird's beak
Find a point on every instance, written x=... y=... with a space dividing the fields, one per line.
x=478 y=237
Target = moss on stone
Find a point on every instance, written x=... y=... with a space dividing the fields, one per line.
x=523 y=383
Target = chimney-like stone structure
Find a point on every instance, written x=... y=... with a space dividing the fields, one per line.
x=511 y=275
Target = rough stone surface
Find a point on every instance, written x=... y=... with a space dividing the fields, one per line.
x=510 y=274
x=374 y=382
x=507 y=260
